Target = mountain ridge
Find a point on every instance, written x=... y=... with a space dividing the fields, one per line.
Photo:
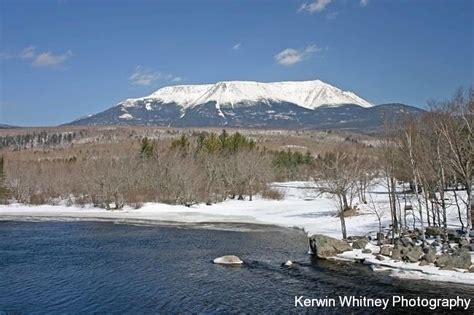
x=248 y=104
x=308 y=94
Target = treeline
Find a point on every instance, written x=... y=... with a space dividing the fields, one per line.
x=425 y=161
x=36 y=139
x=434 y=153
x=206 y=168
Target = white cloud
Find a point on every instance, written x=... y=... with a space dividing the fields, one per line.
x=28 y=53
x=315 y=6
x=237 y=46
x=364 y=3
x=48 y=59
x=41 y=59
x=146 y=76
x=290 y=56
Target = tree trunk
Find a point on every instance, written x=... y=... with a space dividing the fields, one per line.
x=470 y=208
x=393 y=202
x=344 y=202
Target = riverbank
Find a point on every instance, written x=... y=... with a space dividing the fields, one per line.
x=301 y=208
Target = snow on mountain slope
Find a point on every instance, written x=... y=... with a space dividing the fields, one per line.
x=308 y=94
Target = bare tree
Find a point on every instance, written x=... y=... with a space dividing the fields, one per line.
x=337 y=174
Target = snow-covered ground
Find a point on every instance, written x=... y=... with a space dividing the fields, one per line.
x=301 y=208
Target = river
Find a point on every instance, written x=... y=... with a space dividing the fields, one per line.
x=85 y=267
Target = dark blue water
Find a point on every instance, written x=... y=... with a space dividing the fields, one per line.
x=85 y=267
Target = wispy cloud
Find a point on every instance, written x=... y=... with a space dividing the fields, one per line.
x=145 y=76
x=237 y=46
x=290 y=56
x=317 y=6
x=48 y=59
x=314 y=6
x=38 y=59
x=28 y=52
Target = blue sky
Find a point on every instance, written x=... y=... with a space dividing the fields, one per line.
x=62 y=59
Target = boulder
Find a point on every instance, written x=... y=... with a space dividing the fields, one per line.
x=407 y=241
x=413 y=254
x=386 y=250
x=454 y=235
x=403 y=249
x=396 y=254
x=430 y=255
x=228 y=260
x=469 y=247
x=433 y=231
x=424 y=263
x=360 y=243
x=324 y=246
x=366 y=251
x=460 y=260
x=379 y=257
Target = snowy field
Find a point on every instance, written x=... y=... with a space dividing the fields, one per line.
x=301 y=208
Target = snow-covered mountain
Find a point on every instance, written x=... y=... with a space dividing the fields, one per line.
x=292 y=104
x=307 y=94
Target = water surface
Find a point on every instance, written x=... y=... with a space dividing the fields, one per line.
x=84 y=267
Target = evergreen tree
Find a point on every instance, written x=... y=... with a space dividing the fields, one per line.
x=147 y=148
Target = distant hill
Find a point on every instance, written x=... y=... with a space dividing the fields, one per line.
x=5 y=126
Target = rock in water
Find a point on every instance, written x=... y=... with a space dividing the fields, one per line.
x=228 y=260
x=289 y=263
x=325 y=246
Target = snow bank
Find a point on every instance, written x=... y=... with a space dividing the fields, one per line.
x=301 y=208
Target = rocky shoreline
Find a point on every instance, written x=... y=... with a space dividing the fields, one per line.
x=443 y=251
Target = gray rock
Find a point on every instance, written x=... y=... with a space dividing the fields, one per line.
x=396 y=254
x=454 y=235
x=413 y=254
x=360 y=243
x=386 y=250
x=366 y=251
x=424 y=263
x=324 y=246
x=430 y=255
x=379 y=257
x=469 y=247
x=432 y=231
x=403 y=249
x=406 y=241
x=460 y=260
